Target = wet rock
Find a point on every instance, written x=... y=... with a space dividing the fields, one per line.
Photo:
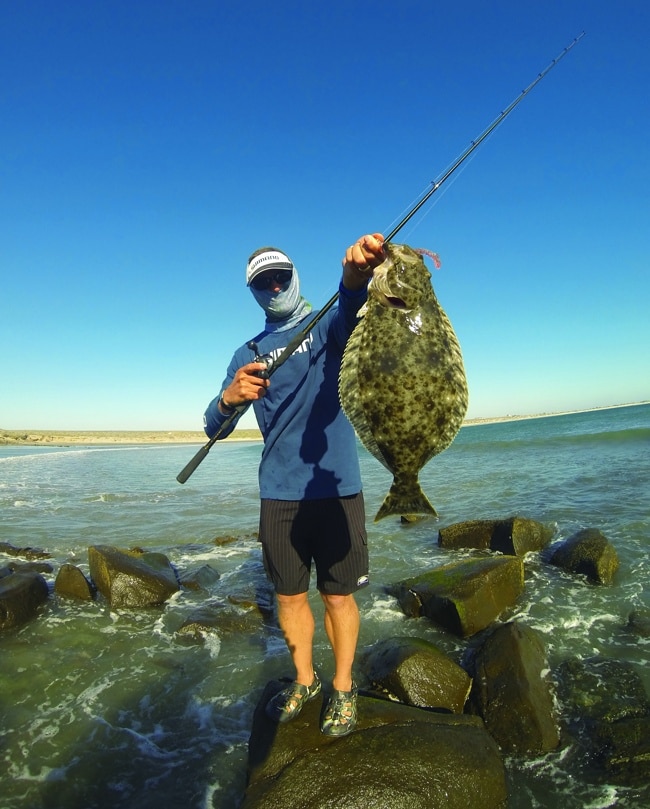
x=416 y=672
x=131 y=579
x=639 y=623
x=601 y=689
x=398 y=758
x=622 y=750
x=21 y=594
x=200 y=578
x=466 y=596
x=29 y=567
x=72 y=583
x=410 y=519
x=27 y=553
x=512 y=693
x=589 y=553
x=515 y=536
x=609 y=713
x=221 y=619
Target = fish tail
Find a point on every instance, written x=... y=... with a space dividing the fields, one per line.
x=401 y=502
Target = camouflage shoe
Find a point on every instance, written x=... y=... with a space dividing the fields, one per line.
x=287 y=704
x=340 y=717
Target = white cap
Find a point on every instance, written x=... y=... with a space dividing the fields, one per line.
x=269 y=260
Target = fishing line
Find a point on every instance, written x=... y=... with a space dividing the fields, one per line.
x=429 y=208
x=293 y=344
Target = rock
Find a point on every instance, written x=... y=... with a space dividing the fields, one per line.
x=129 y=579
x=28 y=567
x=609 y=714
x=398 y=758
x=466 y=596
x=28 y=553
x=200 y=578
x=222 y=619
x=622 y=749
x=21 y=594
x=72 y=583
x=638 y=622
x=511 y=692
x=601 y=689
x=587 y=552
x=515 y=536
x=416 y=672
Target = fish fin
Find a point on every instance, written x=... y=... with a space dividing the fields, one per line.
x=416 y=502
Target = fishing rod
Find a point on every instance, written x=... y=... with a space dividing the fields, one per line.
x=271 y=364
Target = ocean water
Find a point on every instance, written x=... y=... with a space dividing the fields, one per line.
x=102 y=708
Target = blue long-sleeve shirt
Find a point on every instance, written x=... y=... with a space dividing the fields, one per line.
x=309 y=445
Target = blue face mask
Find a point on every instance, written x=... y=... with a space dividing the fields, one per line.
x=285 y=308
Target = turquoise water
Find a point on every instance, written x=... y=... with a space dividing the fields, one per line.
x=106 y=709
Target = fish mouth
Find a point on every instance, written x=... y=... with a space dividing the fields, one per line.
x=389 y=301
x=380 y=288
x=396 y=303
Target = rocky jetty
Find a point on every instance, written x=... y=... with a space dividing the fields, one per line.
x=433 y=730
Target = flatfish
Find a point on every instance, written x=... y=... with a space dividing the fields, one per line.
x=402 y=383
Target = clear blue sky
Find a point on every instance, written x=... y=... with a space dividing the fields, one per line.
x=148 y=147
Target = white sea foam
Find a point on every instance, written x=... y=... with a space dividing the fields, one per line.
x=608 y=799
x=384 y=608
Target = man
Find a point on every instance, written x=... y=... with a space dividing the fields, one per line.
x=310 y=485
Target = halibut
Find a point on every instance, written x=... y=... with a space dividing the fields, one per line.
x=402 y=383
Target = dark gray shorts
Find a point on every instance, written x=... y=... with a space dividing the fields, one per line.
x=331 y=533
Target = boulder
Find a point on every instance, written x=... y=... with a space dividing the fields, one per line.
x=27 y=567
x=200 y=578
x=610 y=717
x=221 y=619
x=28 y=553
x=511 y=691
x=601 y=689
x=416 y=672
x=638 y=623
x=587 y=552
x=21 y=594
x=466 y=596
x=72 y=583
x=515 y=536
x=131 y=579
x=398 y=758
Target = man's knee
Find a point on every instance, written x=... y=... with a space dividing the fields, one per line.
x=292 y=602
x=336 y=602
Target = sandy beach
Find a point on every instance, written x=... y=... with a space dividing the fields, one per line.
x=65 y=437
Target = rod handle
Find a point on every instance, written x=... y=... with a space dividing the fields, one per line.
x=189 y=469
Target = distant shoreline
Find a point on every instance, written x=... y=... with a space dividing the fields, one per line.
x=109 y=437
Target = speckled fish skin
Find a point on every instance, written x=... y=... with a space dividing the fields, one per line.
x=402 y=382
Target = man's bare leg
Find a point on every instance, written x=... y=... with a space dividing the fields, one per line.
x=342 y=626
x=297 y=624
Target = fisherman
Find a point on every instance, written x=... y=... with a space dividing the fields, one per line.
x=312 y=507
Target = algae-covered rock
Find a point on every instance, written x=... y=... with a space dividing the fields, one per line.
x=416 y=673
x=130 y=579
x=608 y=712
x=398 y=758
x=200 y=578
x=21 y=594
x=512 y=693
x=587 y=552
x=466 y=596
x=72 y=583
x=221 y=619
x=515 y=536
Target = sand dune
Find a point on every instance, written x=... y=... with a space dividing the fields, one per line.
x=65 y=437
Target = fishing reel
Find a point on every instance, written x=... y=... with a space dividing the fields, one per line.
x=267 y=359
